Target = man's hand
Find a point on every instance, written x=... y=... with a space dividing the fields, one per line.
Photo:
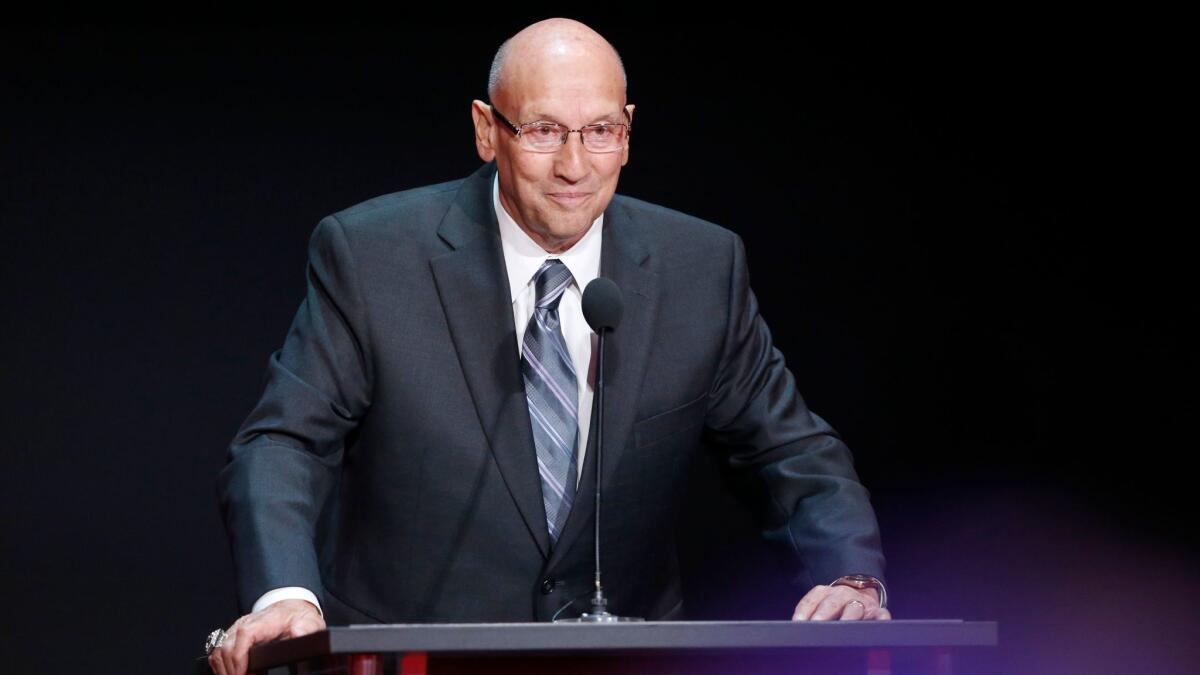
x=823 y=603
x=283 y=619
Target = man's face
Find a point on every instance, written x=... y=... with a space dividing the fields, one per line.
x=555 y=196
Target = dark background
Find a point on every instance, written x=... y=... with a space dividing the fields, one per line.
x=958 y=237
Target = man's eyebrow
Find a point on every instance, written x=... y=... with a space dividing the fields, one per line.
x=609 y=118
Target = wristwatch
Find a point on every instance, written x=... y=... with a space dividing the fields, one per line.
x=862 y=581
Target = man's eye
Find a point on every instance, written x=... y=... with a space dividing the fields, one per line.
x=545 y=130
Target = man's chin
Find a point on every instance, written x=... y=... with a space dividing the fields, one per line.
x=565 y=237
x=574 y=232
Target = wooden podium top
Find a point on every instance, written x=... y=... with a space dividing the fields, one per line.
x=649 y=637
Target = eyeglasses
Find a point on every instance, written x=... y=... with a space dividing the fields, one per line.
x=549 y=136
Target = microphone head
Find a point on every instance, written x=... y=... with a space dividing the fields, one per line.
x=602 y=304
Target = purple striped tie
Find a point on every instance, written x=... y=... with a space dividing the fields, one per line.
x=552 y=395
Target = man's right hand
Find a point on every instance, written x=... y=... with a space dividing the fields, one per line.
x=283 y=619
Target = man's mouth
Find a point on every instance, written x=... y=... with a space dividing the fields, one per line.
x=568 y=198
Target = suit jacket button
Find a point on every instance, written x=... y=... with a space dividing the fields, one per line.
x=547 y=586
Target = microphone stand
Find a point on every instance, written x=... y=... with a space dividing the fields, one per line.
x=599 y=613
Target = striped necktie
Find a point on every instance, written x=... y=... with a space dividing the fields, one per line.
x=552 y=395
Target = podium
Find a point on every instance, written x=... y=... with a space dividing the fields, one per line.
x=661 y=647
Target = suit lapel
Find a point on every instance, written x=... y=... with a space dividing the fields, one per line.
x=473 y=289
x=622 y=255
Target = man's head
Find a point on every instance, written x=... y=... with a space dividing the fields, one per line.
x=557 y=70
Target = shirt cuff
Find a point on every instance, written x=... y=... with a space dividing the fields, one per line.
x=286 y=593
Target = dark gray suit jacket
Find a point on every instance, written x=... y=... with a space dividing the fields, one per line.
x=389 y=465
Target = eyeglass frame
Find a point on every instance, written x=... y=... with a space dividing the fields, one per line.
x=517 y=130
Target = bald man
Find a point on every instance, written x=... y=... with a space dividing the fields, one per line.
x=423 y=449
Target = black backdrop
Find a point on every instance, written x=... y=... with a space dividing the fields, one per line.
x=954 y=234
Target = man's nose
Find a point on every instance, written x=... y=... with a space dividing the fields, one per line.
x=571 y=162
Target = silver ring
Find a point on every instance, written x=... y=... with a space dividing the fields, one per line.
x=215 y=639
x=860 y=604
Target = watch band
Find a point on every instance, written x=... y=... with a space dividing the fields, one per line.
x=862 y=581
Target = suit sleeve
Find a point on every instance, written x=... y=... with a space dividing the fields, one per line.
x=285 y=459
x=812 y=499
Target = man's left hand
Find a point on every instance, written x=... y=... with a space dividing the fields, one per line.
x=824 y=603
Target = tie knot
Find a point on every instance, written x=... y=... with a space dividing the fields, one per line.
x=551 y=280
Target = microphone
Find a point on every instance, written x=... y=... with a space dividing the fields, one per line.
x=602 y=308
x=602 y=305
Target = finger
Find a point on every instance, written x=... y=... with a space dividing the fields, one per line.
x=853 y=610
x=239 y=654
x=881 y=614
x=224 y=664
x=304 y=625
x=214 y=662
x=237 y=646
x=219 y=659
x=223 y=654
x=830 y=607
x=258 y=629
x=840 y=600
x=228 y=651
x=807 y=604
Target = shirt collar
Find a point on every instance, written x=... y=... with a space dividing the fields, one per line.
x=523 y=256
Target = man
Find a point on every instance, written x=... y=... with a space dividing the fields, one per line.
x=422 y=450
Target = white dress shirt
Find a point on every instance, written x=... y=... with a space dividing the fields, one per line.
x=522 y=258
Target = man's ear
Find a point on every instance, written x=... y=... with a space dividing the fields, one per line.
x=481 y=114
x=629 y=120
